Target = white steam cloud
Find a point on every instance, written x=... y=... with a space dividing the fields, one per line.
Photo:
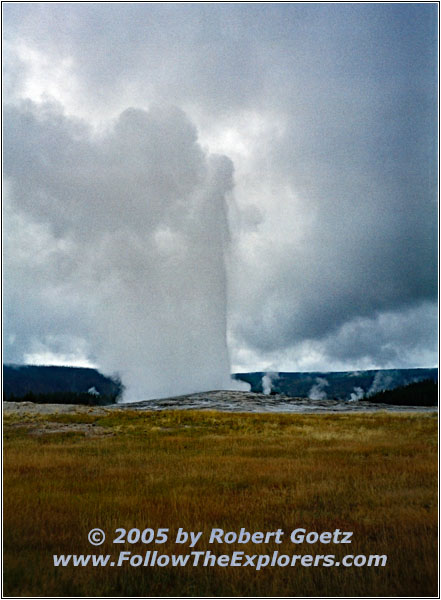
x=382 y=381
x=317 y=391
x=357 y=394
x=267 y=382
x=133 y=228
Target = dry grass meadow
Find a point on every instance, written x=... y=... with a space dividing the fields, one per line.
x=373 y=474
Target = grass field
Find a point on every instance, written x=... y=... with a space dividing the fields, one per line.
x=372 y=474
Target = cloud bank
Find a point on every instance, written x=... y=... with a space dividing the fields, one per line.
x=327 y=114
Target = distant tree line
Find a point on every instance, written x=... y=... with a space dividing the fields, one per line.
x=420 y=393
x=61 y=385
x=340 y=384
x=64 y=398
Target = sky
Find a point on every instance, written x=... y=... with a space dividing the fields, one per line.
x=191 y=189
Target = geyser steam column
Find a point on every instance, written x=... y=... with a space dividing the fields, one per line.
x=116 y=244
x=162 y=321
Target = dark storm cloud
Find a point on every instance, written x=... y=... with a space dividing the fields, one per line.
x=329 y=114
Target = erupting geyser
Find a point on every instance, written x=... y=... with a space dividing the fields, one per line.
x=136 y=227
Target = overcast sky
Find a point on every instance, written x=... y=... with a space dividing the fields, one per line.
x=286 y=149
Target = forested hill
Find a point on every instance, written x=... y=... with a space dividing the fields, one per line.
x=420 y=393
x=343 y=385
x=59 y=384
x=80 y=385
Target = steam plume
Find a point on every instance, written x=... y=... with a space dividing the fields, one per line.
x=267 y=382
x=133 y=225
x=357 y=394
x=317 y=391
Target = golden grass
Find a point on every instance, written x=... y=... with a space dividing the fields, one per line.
x=373 y=474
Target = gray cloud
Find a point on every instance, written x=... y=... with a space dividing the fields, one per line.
x=327 y=112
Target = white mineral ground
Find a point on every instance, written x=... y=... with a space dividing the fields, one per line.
x=222 y=400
